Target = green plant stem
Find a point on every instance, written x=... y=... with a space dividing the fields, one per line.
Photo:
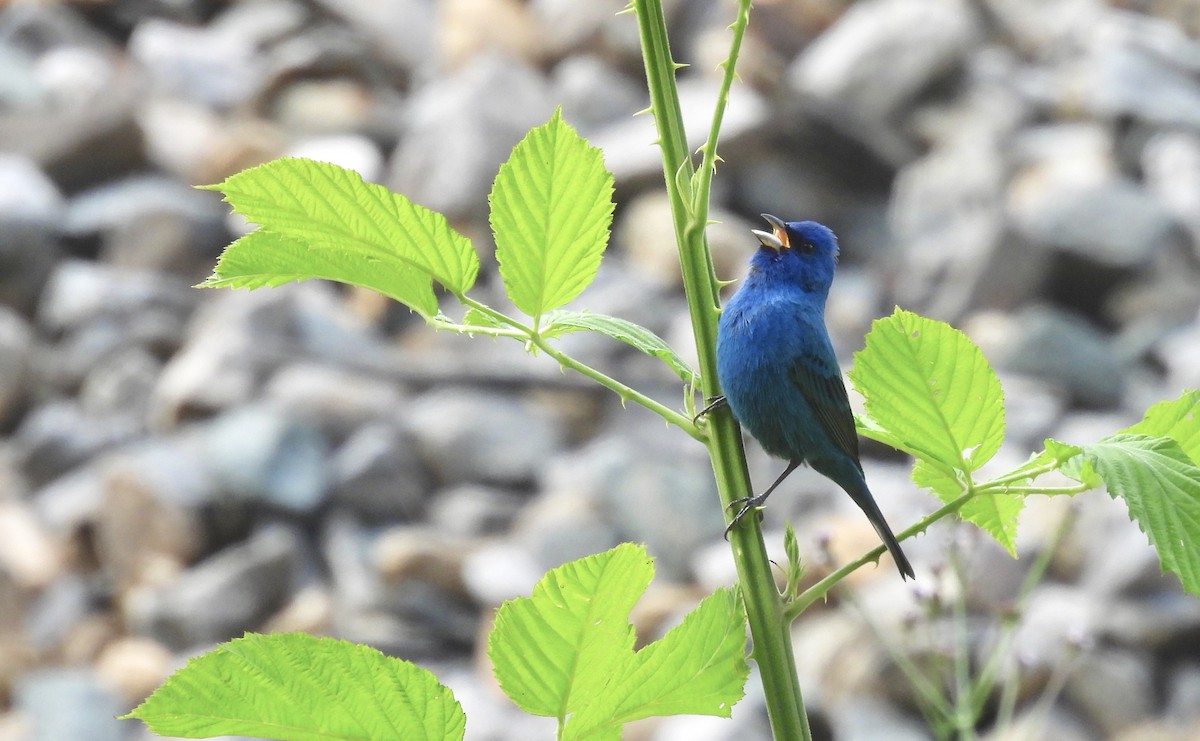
x=520 y=331
x=769 y=631
x=821 y=588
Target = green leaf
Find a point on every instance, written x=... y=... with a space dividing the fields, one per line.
x=551 y=650
x=330 y=222
x=699 y=667
x=562 y=322
x=1161 y=488
x=1179 y=420
x=263 y=258
x=931 y=390
x=567 y=650
x=551 y=207
x=476 y=318
x=297 y=687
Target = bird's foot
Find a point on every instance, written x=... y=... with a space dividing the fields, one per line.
x=714 y=403
x=746 y=504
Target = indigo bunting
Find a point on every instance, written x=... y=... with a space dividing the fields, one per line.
x=779 y=373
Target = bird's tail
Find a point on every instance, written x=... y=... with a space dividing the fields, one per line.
x=856 y=486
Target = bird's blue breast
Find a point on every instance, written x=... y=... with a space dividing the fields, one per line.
x=761 y=334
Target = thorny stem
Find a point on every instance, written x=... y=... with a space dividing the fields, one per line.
x=772 y=643
x=517 y=330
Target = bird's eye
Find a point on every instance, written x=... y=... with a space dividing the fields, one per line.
x=807 y=247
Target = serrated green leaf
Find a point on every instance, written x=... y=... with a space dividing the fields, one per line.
x=347 y=226
x=300 y=688
x=1072 y=463
x=476 y=318
x=266 y=259
x=563 y=643
x=551 y=207
x=699 y=667
x=1179 y=420
x=931 y=390
x=1161 y=487
x=562 y=322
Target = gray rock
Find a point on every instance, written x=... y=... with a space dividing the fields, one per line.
x=1153 y=621
x=26 y=192
x=333 y=399
x=213 y=65
x=1112 y=222
x=1066 y=350
x=867 y=719
x=656 y=489
x=56 y=437
x=501 y=571
x=471 y=435
x=377 y=475
x=1047 y=27
x=1057 y=621
x=28 y=253
x=57 y=611
x=1114 y=688
x=401 y=32
x=351 y=151
x=471 y=510
x=1142 y=67
x=81 y=292
x=557 y=527
x=259 y=453
x=594 y=93
x=16 y=341
x=1171 y=166
x=69 y=703
x=871 y=65
x=121 y=383
x=1183 y=694
x=447 y=161
x=954 y=251
x=219 y=598
x=1180 y=351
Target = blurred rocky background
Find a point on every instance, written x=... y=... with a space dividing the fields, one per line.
x=178 y=466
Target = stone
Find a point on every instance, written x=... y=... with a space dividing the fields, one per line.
x=121 y=383
x=16 y=345
x=28 y=254
x=501 y=571
x=26 y=192
x=1142 y=67
x=1171 y=166
x=150 y=525
x=1114 y=688
x=446 y=161
x=401 y=32
x=134 y=667
x=233 y=591
x=469 y=28
x=43 y=694
x=864 y=71
x=651 y=489
x=32 y=558
x=350 y=151
x=954 y=250
x=377 y=475
x=592 y=92
x=867 y=719
x=479 y=436
x=1064 y=349
x=80 y=292
x=210 y=64
x=56 y=437
x=473 y=510
x=58 y=611
x=1058 y=619
x=337 y=400
x=259 y=453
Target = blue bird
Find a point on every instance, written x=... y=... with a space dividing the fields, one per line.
x=779 y=373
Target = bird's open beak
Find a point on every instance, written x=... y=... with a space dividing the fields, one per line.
x=778 y=238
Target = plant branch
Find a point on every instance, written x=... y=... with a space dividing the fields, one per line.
x=771 y=635
x=528 y=334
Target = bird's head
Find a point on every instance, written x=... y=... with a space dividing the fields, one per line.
x=800 y=252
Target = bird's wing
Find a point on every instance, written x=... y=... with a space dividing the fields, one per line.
x=819 y=380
